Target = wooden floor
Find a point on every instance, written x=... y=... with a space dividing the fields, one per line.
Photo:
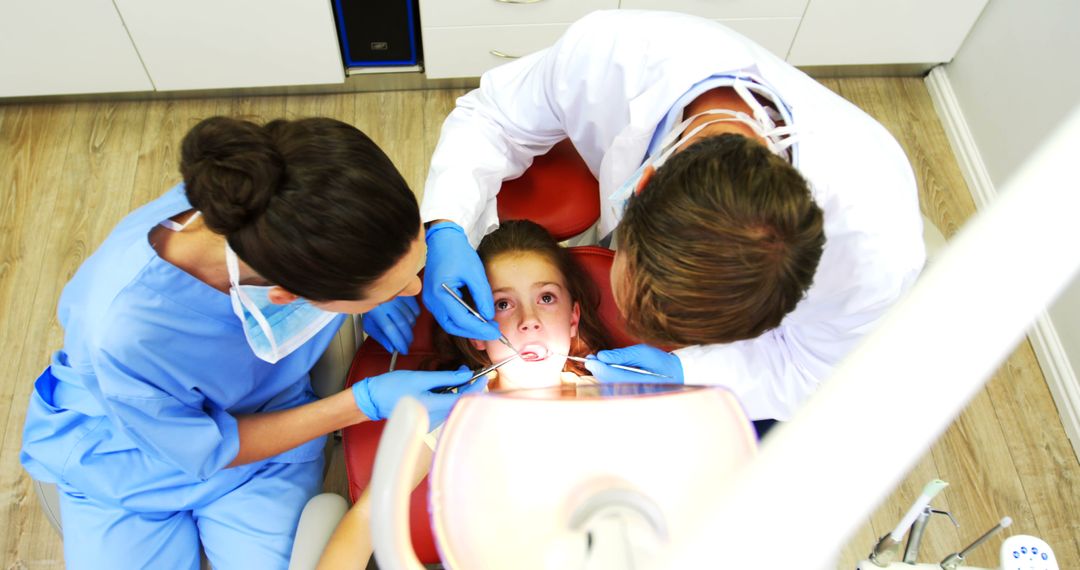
x=70 y=171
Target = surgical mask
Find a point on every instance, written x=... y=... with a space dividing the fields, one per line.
x=273 y=331
x=763 y=122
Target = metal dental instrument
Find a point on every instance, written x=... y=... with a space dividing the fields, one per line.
x=955 y=559
x=480 y=374
x=393 y=361
x=887 y=549
x=619 y=366
x=492 y=368
x=502 y=337
x=911 y=551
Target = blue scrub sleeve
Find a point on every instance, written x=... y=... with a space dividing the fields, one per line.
x=196 y=436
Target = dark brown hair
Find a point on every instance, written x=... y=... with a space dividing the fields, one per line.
x=719 y=245
x=524 y=236
x=312 y=205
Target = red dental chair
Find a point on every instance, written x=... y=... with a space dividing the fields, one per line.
x=558 y=191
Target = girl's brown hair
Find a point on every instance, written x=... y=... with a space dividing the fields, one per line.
x=524 y=236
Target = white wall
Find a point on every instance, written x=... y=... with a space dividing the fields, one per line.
x=1013 y=78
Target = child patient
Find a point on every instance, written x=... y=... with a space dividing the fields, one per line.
x=545 y=305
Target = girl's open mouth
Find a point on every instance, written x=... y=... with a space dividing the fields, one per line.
x=533 y=352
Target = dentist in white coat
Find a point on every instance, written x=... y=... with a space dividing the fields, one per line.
x=764 y=224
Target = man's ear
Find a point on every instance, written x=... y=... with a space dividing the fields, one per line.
x=575 y=318
x=646 y=176
x=280 y=296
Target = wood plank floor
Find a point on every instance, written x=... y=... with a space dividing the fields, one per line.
x=69 y=172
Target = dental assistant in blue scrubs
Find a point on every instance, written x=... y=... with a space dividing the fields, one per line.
x=179 y=412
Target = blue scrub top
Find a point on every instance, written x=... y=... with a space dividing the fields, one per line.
x=139 y=407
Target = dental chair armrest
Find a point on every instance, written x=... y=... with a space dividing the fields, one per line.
x=317 y=523
x=330 y=371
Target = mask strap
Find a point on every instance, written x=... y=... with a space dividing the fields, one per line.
x=176 y=227
x=232 y=264
x=666 y=153
x=733 y=117
x=760 y=113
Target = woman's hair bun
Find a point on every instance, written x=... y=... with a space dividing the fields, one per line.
x=231 y=169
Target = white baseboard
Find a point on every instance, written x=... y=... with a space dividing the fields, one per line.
x=1060 y=376
x=963 y=142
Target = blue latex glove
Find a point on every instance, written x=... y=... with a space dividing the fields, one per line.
x=377 y=396
x=452 y=260
x=391 y=323
x=639 y=356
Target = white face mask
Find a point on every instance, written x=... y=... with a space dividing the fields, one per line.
x=763 y=123
x=273 y=331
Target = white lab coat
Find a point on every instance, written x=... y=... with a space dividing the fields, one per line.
x=606 y=84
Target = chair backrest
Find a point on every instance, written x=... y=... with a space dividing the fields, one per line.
x=362 y=440
x=558 y=191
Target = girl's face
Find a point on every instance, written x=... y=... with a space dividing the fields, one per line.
x=534 y=310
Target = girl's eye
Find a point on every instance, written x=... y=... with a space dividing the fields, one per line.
x=502 y=305
x=547 y=298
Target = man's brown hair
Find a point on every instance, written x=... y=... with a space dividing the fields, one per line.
x=718 y=246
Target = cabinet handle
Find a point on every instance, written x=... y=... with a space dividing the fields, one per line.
x=518 y=1
x=498 y=53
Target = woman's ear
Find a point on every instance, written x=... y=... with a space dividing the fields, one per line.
x=280 y=296
x=478 y=344
x=575 y=318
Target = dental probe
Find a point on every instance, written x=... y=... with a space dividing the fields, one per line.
x=480 y=374
x=502 y=337
x=619 y=366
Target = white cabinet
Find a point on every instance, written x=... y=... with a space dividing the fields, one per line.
x=771 y=23
x=99 y=46
x=843 y=32
x=723 y=9
x=477 y=49
x=465 y=38
x=454 y=13
x=209 y=44
x=64 y=47
x=461 y=35
x=774 y=34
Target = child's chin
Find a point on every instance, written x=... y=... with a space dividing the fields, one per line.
x=535 y=377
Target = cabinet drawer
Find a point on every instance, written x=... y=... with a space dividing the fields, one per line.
x=447 y=13
x=470 y=51
x=774 y=34
x=860 y=32
x=64 y=47
x=724 y=9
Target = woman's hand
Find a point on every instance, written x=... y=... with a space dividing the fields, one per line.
x=377 y=396
x=391 y=323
